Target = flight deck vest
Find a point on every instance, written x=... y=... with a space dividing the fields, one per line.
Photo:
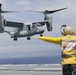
x=68 y=50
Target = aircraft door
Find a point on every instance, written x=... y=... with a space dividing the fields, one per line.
x=29 y=27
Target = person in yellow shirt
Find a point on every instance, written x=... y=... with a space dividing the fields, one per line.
x=68 y=48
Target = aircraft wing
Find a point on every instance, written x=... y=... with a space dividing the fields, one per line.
x=41 y=23
x=18 y=24
x=13 y=24
x=47 y=23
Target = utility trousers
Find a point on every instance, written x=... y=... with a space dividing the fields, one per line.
x=69 y=69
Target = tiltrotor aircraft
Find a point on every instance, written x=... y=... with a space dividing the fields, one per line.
x=26 y=30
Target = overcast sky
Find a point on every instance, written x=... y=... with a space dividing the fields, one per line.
x=35 y=47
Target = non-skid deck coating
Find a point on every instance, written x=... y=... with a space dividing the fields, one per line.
x=31 y=69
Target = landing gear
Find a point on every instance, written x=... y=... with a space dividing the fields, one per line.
x=28 y=38
x=15 y=38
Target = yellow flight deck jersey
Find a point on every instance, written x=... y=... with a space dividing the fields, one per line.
x=68 y=47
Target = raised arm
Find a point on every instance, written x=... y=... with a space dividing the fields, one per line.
x=51 y=39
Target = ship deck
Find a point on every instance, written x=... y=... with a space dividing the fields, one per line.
x=31 y=69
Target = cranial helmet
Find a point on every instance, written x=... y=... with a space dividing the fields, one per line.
x=67 y=30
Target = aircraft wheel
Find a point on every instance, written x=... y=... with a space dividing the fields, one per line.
x=28 y=38
x=15 y=38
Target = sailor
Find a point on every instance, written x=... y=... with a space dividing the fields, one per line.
x=68 y=48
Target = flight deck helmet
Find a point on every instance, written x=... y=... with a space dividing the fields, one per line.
x=67 y=30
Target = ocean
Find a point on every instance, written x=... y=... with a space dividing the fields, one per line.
x=23 y=66
x=32 y=60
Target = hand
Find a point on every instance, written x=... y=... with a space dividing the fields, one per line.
x=36 y=37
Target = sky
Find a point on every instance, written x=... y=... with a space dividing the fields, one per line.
x=35 y=47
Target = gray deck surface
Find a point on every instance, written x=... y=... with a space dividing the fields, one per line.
x=31 y=69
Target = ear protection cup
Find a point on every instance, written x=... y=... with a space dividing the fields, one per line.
x=62 y=29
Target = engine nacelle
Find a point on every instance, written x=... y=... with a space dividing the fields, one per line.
x=49 y=24
x=2 y=21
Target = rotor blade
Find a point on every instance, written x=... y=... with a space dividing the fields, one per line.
x=36 y=11
x=50 y=12
x=2 y=11
x=8 y=11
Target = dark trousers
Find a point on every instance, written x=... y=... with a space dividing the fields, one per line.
x=69 y=69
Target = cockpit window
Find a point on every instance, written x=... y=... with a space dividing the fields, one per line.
x=34 y=26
